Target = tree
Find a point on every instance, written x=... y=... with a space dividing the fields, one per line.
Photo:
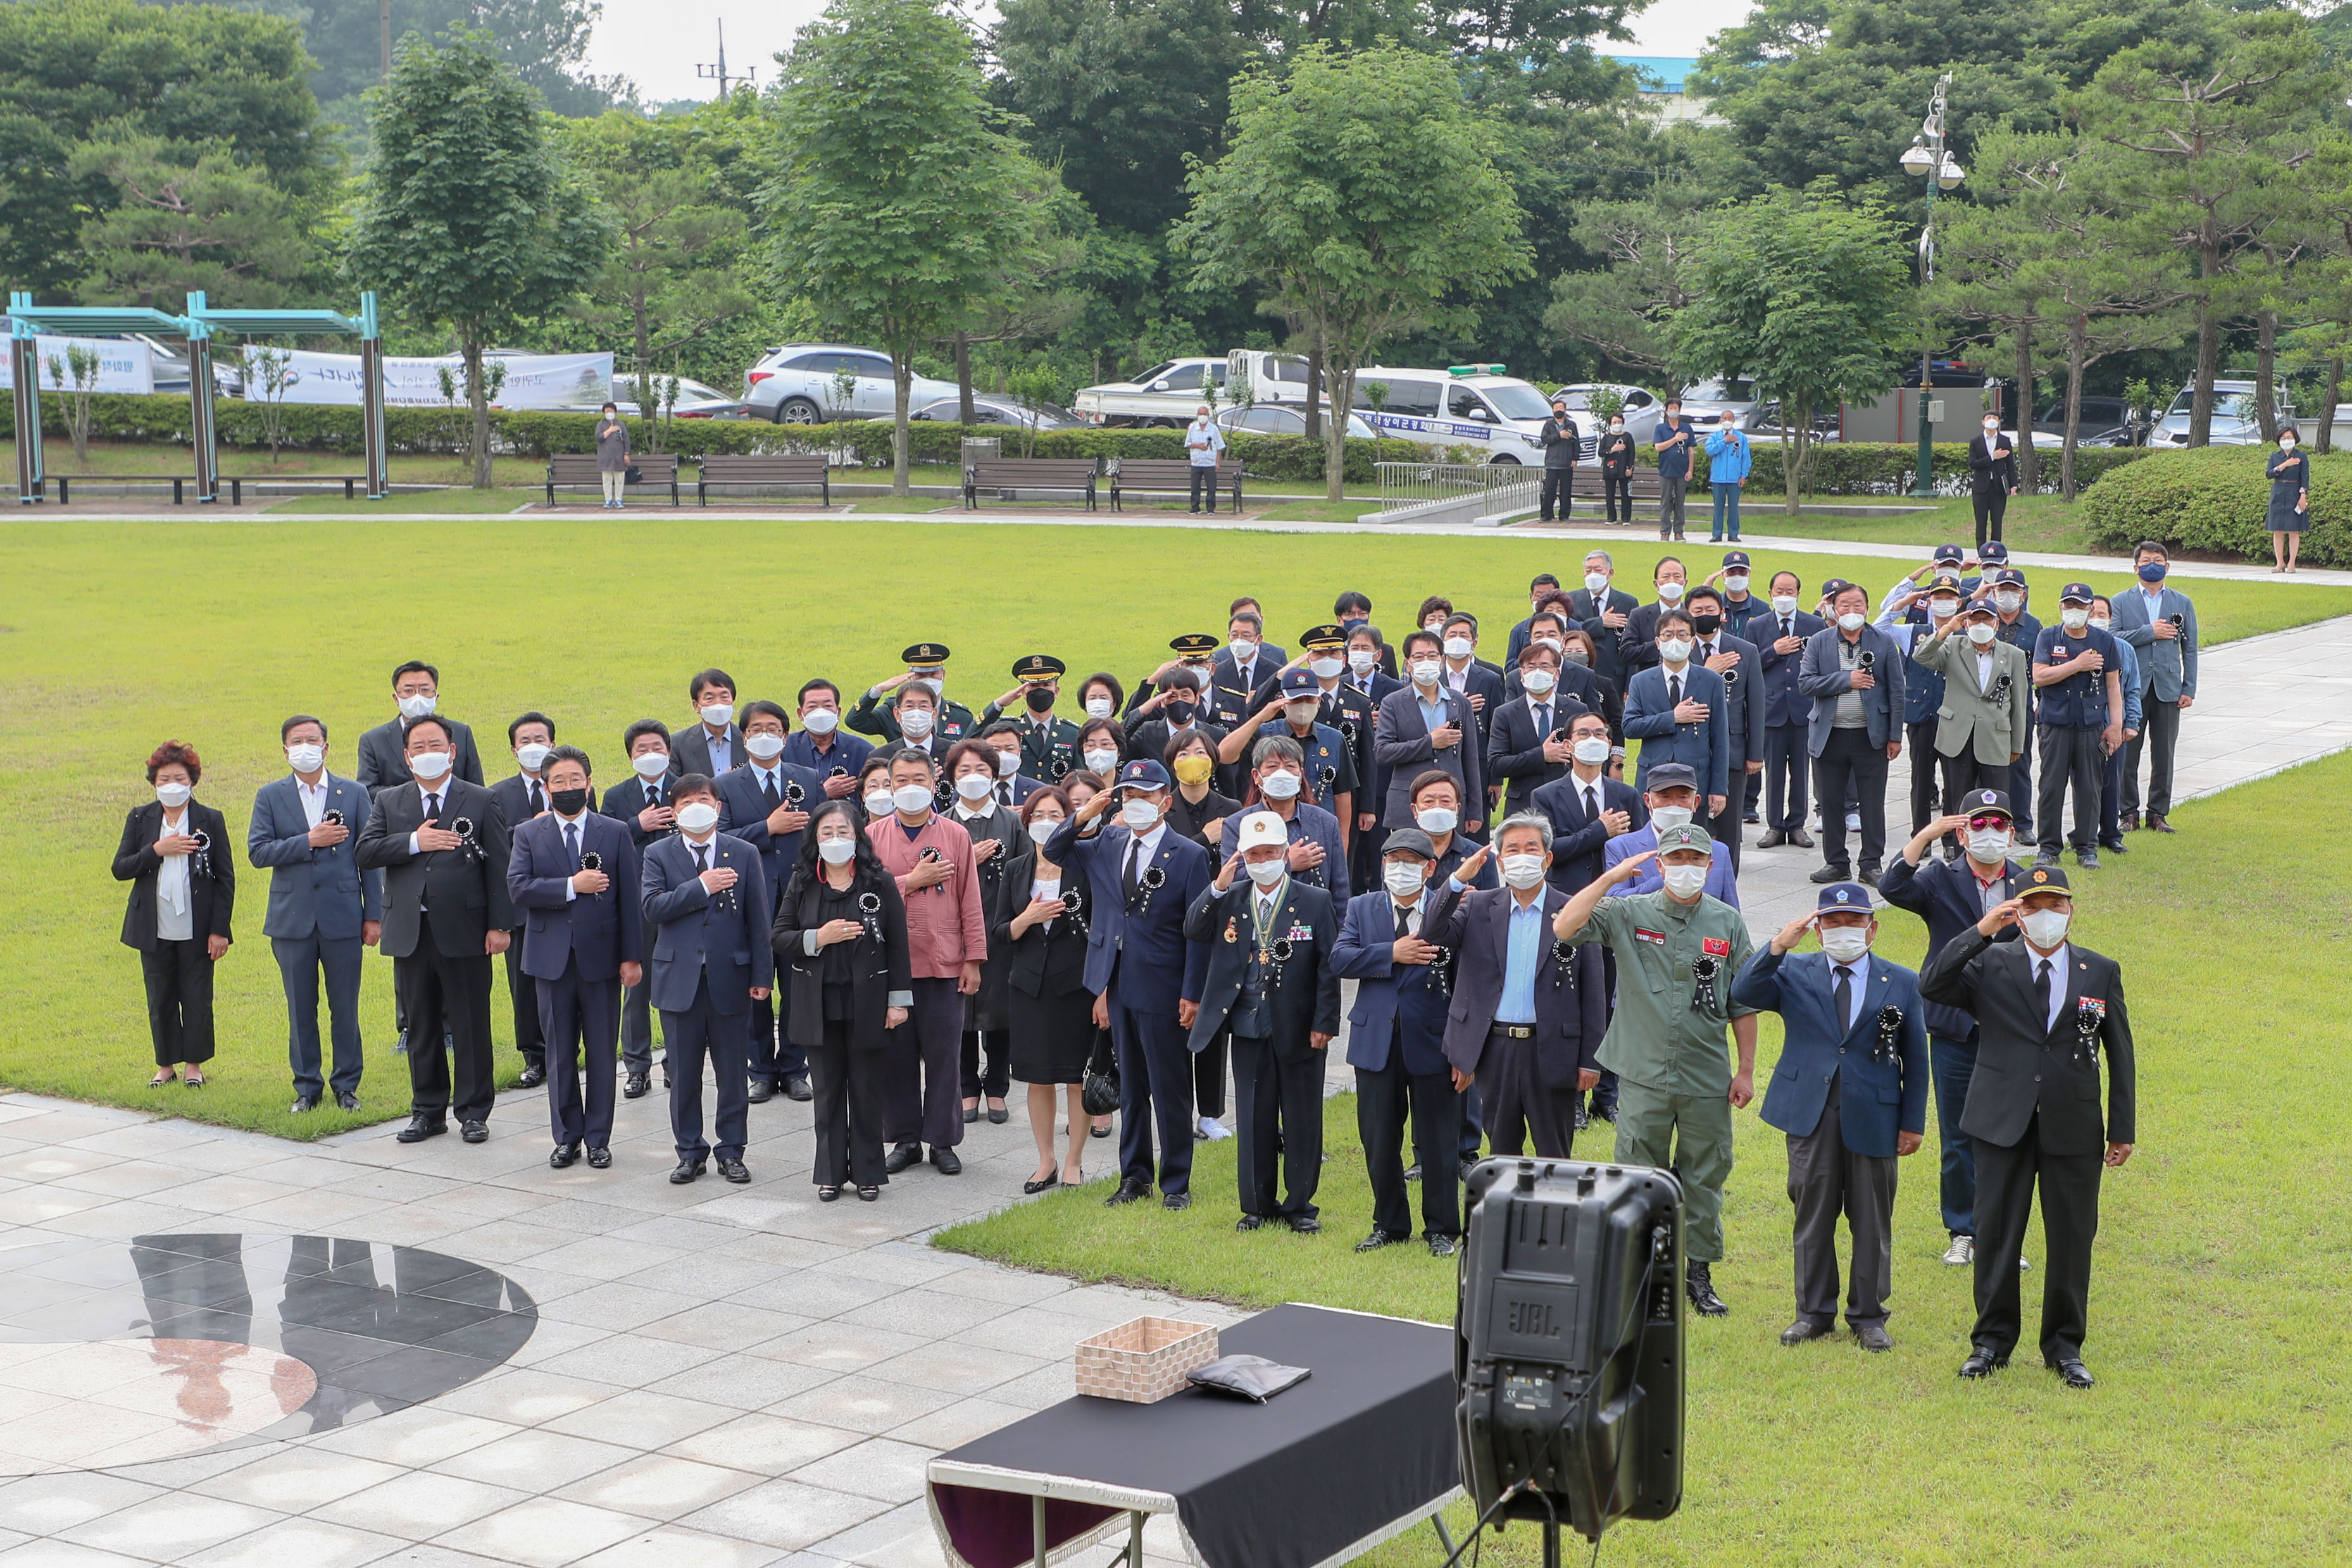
x=546 y=41
x=898 y=197
x=186 y=219
x=468 y=217
x=1807 y=294
x=1365 y=233
x=1622 y=310
x=1034 y=294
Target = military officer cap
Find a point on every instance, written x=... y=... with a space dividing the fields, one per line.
x=1977 y=802
x=1992 y=550
x=1194 y=644
x=1943 y=582
x=1297 y=681
x=1737 y=558
x=1689 y=836
x=1412 y=841
x=1670 y=776
x=1949 y=555
x=1845 y=897
x=926 y=655
x=2045 y=879
x=1321 y=637
x=1038 y=667
x=1142 y=774
x=1261 y=829
x=2076 y=593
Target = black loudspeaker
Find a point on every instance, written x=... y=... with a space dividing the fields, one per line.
x=1569 y=1345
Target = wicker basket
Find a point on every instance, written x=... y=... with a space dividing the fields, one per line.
x=1143 y=1361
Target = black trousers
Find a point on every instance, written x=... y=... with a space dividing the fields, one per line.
x=848 y=1088
x=1279 y=1112
x=772 y=1056
x=1521 y=1107
x=523 y=993
x=2006 y=1178
x=2020 y=795
x=580 y=1022
x=1926 y=799
x=1827 y=1180
x=698 y=1033
x=637 y=1028
x=1558 y=498
x=925 y=1104
x=985 y=1072
x=2070 y=757
x=1785 y=765
x=2160 y=737
x=1724 y=825
x=1964 y=773
x=1990 y=503
x=1616 y=489
x=1204 y=483
x=179 y=977
x=1155 y=1093
x=1383 y=1097
x=447 y=1001
x=300 y=962
x=1848 y=761
x=1209 y=1077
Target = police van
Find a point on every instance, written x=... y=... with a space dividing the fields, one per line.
x=1463 y=405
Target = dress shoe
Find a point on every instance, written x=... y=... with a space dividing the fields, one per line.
x=971 y=1114
x=1983 y=1363
x=869 y=1194
x=1868 y=876
x=1873 y=1337
x=1583 y=1118
x=999 y=1114
x=346 y=1101
x=2129 y=822
x=635 y=1088
x=1098 y=1132
x=1175 y=1200
x=1413 y=1173
x=1032 y=1189
x=946 y=1163
x=1304 y=1224
x=600 y=1159
x=1250 y=1222
x=901 y=1157
x=533 y=1075
x=665 y=1072
x=304 y=1102
x=2072 y=1372
x=2115 y=846
x=1751 y=819
x=1377 y=1240
x=1961 y=1252
x=1830 y=873
x=2087 y=859
x=421 y=1126
x=734 y=1171
x=1444 y=1247
x=1801 y=839
x=760 y=1092
x=564 y=1155
x=1128 y=1192
x=1772 y=840
x=1700 y=1288
x=474 y=1132
x=1608 y=1112
x=2044 y=861
x=796 y=1087
x=1469 y=1163
x=1805 y=1332
x=687 y=1171
x=2157 y=824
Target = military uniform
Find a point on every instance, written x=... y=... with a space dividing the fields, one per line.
x=875 y=715
x=1049 y=744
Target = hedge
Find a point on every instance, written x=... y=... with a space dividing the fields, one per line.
x=1859 y=468
x=2215 y=500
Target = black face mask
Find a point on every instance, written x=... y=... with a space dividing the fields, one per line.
x=568 y=802
x=1707 y=625
x=1179 y=713
x=1040 y=699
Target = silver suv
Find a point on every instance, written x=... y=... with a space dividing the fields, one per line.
x=802 y=384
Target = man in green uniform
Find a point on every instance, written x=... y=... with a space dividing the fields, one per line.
x=876 y=712
x=1049 y=745
x=1677 y=952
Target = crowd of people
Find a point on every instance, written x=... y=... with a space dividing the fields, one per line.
x=883 y=905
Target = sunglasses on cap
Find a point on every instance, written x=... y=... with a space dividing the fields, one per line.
x=1986 y=824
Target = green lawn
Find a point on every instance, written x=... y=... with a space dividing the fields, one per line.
x=450 y=502
x=233 y=623
x=2219 y=1429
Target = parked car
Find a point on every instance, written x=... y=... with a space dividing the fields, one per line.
x=2234 y=421
x=1166 y=394
x=1276 y=420
x=1463 y=405
x=1763 y=422
x=999 y=411
x=1710 y=403
x=696 y=400
x=796 y=384
x=1269 y=374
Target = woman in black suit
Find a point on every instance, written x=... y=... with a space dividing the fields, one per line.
x=841 y=928
x=1038 y=921
x=175 y=855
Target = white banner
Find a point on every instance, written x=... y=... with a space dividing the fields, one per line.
x=124 y=365
x=532 y=380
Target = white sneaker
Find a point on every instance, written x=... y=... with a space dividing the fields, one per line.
x=1962 y=1251
x=2023 y=1262
x=1213 y=1129
x=1854 y=822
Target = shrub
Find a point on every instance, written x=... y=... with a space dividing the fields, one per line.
x=2215 y=500
x=1859 y=468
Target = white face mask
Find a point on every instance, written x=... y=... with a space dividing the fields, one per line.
x=765 y=746
x=1326 y=669
x=2047 y=927
x=1592 y=752
x=1141 y=815
x=975 y=787
x=1281 y=785
x=820 y=721
x=1361 y=660
x=1670 y=593
x=2100 y=624
x=1457 y=647
x=1266 y=873
x=2074 y=620
x=1983 y=634
x=173 y=795
x=1665 y=817
x=1685 y=880
x=650 y=765
x=2008 y=603
x=716 y=715
x=429 y=765
x=1403 y=879
x=836 y=851
x=1992 y=427
x=1301 y=715
x=1675 y=650
x=1424 y=672
x=531 y=756
x=418 y=707
x=1098 y=707
x=2287 y=443
x=1990 y=847
x=1042 y=828
x=1735 y=581
x=1594 y=582
x=1008 y=763
x=1523 y=872
x=1436 y=822
x=1943 y=609
x=1851 y=620
x=306 y=758
x=915 y=723
x=1845 y=944
x=911 y=798
x=1102 y=762
x=1243 y=650
x=699 y=817
x=878 y=804
x=1539 y=681
x=1554 y=643
x=1784 y=604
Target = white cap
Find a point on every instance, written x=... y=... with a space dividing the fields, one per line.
x=1260 y=828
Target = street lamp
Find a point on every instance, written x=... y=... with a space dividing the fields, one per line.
x=1926 y=155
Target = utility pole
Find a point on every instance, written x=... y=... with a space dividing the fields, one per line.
x=718 y=72
x=383 y=27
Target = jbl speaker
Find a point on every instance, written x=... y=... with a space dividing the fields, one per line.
x=1569 y=1342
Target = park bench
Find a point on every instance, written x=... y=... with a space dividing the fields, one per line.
x=577 y=471
x=1009 y=476
x=746 y=469
x=1168 y=475
x=179 y=483
x=1586 y=487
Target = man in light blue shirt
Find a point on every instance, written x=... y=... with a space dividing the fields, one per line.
x=1204 y=445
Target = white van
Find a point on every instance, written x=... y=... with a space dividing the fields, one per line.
x=1463 y=405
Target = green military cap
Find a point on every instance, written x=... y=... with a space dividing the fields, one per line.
x=1688 y=836
x=1038 y=667
x=1193 y=645
x=924 y=655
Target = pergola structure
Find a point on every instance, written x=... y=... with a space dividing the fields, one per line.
x=28 y=321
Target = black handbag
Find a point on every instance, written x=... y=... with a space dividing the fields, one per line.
x=1099 y=1092
x=636 y=475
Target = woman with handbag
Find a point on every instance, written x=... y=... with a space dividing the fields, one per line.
x=996 y=837
x=1037 y=920
x=612 y=455
x=840 y=929
x=175 y=855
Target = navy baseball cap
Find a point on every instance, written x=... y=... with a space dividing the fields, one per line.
x=1672 y=776
x=2043 y=879
x=1845 y=897
x=1949 y=555
x=1977 y=802
x=1297 y=681
x=2010 y=576
x=1992 y=550
x=1735 y=558
x=1142 y=774
x=2076 y=593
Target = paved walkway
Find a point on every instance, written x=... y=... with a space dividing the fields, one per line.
x=719 y=1375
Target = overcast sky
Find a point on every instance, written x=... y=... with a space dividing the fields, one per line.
x=659 y=43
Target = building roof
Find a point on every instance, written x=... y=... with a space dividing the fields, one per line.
x=1661 y=73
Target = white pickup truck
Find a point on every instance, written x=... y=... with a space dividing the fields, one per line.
x=1167 y=394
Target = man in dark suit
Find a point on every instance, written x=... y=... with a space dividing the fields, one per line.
x=324 y=912
x=1474 y=677
x=1677 y=710
x=1367 y=679
x=707 y=899
x=1527 y=1012
x=2046 y=1010
x=1851 y=1092
x=645 y=803
x=1269 y=980
x=1424 y=725
x=1397 y=1045
x=1142 y=881
x=1951 y=897
x=1637 y=644
x=573 y=876
x=1246 y=661
x=1781 y=638
x=712 y=744
x=1541 y=588
x=443 y=848
x=766 y=803
x=820 y=743
x=1527 y=742
x=1740 y=663
x=1002 y=736
x=1562 y=442
x=1992 y=476
x=521 y=797
x=1604 y=611
x=1586 y=807
x=382 y=753
x=1852 y=671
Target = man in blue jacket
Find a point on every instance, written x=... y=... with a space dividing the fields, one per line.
x=766 y=803
x=1850 y=1092
x=1729 y=460
x=1779 y=638
x=1854 y=673
x=1677 y=710
x=1675 y=435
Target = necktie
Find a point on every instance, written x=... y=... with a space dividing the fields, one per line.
x=1674 y=691
x=2042 y=989
x=1405 y=919
x=768 y=787
x=538 y=798
x=1127 y=881
x=1592 y=802
x=1543 y=721
x=572 y=843
x=1844 y=998
x=1004 y=794
x=701 y=859
x=432 y=808
x=1788 y=626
